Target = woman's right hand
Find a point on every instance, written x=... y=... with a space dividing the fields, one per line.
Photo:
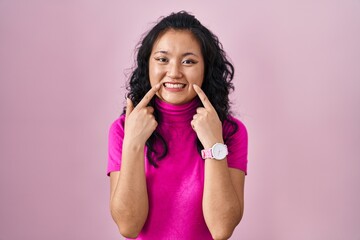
x=140 y=122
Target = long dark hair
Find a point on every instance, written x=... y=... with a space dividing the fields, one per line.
x=218 y=75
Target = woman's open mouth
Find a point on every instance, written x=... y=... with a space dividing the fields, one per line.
x=174 y=85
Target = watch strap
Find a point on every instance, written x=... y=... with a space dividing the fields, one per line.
x=206 y=153
x=214 y=152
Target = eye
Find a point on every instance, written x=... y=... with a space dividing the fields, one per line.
x=161 y=59
x=189 y=62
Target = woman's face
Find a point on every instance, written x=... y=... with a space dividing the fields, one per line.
x=176 y=61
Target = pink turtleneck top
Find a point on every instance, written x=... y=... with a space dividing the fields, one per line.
x=175 y=188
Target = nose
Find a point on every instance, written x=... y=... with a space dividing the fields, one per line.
x=174 y=70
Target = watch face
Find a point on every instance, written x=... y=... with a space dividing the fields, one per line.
x=219 y=151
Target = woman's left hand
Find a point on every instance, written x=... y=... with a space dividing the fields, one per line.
x=206 y=122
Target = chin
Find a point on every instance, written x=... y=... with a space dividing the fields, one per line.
x=173 y=101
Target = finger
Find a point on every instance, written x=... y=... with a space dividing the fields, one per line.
x=203 y=98
x=129 y=106
x=201 y=110
x=148 y=96
x=193 y=124
x=150 y=109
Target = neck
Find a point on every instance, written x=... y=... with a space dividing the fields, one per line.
x=176 y=114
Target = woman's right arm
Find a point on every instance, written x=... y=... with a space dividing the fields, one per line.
x=129 y=199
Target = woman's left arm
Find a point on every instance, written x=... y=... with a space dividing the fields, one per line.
x=223 y=197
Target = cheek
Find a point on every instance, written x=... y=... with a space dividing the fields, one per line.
x=199 y=74
x=199 y=78
x=154 y=74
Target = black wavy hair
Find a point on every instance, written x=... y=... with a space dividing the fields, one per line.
x=218 y=74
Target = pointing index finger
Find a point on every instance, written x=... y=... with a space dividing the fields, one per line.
x=203 y=98
x=148 y=96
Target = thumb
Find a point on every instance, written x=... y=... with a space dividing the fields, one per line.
x=129 y=106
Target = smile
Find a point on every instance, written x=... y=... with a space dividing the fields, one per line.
x=174 y=85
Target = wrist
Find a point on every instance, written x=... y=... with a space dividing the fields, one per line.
x=211 y=143
x=133 y=145
x=218 y=151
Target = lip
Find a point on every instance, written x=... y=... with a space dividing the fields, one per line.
x=174 y=89
x=172 y=82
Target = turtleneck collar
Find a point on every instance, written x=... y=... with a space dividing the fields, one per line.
x=169 y=113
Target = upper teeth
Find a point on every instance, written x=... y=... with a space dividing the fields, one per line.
x=174 y=85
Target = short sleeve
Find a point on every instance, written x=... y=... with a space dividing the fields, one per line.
x=236 y=139
x=116 y=136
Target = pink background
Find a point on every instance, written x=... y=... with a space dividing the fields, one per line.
x=62 y=66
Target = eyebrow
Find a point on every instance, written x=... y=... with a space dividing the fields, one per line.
x=184 y=54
